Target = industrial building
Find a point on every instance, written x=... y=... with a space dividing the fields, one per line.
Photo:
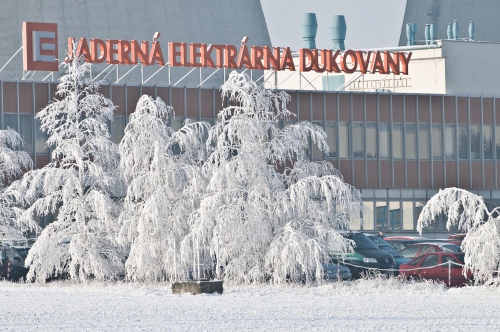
x=397 y=138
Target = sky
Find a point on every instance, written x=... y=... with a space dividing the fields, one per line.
x=370 y=23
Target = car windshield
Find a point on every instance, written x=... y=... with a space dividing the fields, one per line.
x=451 y=248
x=22 y=252
x=362 y=241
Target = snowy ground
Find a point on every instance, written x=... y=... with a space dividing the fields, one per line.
x=363 y=305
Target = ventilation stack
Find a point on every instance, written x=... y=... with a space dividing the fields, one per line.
x=309 y=29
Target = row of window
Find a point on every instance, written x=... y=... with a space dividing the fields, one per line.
x=401 y=215
x=345 y=140
x=23 y=124
x=410 y=141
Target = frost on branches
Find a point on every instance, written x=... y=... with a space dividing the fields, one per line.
x=267 y=212
x=12 y=165
x=76 y=185
x=162 y=169
x=470 y=214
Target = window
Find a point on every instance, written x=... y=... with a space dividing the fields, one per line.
x=431 y=260
x=437 y=141
x=40 y=139
x=497 y=143
x=331 y=138
x=397 y=140
x=423 y=141
x=316 y=152
x=395 y=215
x=384 y=147
x=449 y=258
x=355 y=224
x=410 y=141
x=449 y=141
x=26 y=132
x=408 y=216
x=475 y=142
x=10 y=121
x=418 y=208
x=488 y=142
x=117 y=128
x=344 y=140
x=368 y=217
x=463 y=142
x=358 y=150
x=415 y=261
x=427 y=249
x=205 y=130
x=176 y=123
x=381 y=210
x=371 y=140
x=410 y=252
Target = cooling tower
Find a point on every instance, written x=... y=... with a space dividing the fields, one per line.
x=191 y=21
x=484 y=13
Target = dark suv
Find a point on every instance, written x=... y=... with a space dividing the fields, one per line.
x=366 y=256
x=15 y=256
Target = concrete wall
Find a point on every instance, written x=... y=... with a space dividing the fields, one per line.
x=484 y=13
x=207 y=21
x=472 y=68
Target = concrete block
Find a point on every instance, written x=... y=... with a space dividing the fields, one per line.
x=197 y=287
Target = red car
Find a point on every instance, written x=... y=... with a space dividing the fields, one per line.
x=423 y=248
x=401 y=242
x=433 y=266
x=456 y=238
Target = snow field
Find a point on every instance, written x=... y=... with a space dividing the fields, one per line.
x=365 y=305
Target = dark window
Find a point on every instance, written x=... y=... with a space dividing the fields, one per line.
x=427 y=249
x=362 y=241
x=410 y=251
x=448 y=258
x=431 y=260
x=415 y=261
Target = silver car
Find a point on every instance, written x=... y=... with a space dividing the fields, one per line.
x=331 y=272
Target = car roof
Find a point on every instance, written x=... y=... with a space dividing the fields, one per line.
x=442 y=253
x=405 y=238
x=435 y=243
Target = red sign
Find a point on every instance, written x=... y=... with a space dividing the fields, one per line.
x=40 y=46
x=229 y=56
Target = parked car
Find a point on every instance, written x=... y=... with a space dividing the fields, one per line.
x=401 y=242
x=332 y=272
x=398 y=258
x=366 y=256
x=15 y=256
x=456 y=238
x=425 y=267
x=422 y=248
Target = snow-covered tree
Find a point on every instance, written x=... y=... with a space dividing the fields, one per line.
x=13 y=164
x=162 y=170
x=77 y=185
x=469 y=213
x=259 y=218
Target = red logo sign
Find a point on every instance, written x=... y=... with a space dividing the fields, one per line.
x=40 y=46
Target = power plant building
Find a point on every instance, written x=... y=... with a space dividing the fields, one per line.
x=397 y=138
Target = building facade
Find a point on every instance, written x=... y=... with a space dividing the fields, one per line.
x=398 y=149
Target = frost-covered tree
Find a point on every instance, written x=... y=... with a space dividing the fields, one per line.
x=267 y=211
x=469 y=213
x=13 y=164
x=162 y=170
x=77 y=185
